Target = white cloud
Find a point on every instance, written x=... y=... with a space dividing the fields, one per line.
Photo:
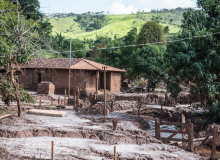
x=168 y=3
x=120 y=8
x=147 y=9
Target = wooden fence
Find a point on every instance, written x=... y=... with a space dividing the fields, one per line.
x=185 y=128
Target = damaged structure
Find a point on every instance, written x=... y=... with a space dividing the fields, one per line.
x=86 y=74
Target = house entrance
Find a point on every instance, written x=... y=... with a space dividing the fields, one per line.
x=108 y=80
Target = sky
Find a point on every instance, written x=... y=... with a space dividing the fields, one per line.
x=112 y=6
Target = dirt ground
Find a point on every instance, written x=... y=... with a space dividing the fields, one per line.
x=83 y=137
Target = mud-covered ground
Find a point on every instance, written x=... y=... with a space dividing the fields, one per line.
x=83 y=137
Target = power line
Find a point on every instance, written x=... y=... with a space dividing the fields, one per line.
x=126 y=46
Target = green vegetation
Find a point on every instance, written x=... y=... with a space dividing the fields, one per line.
x=118 y=25
x=19 y=38
x=4 y=111
x=195 y=61
x=151 y=32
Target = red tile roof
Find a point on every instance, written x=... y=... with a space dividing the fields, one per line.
x=63 y=63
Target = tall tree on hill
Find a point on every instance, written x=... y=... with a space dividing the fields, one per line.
x=151 y=32
x=148 y=62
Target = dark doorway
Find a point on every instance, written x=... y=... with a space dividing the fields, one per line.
x=39 y=77
x=108 y=80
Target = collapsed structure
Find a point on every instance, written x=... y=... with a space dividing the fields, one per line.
x=85 y=74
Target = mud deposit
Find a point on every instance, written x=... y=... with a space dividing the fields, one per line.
x=82 y=137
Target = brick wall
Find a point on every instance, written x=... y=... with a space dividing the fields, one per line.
x=91 y=82
x=115 y=81
x=26 y=79
x=86 y=80
x=29 y=78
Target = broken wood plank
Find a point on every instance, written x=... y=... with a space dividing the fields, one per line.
x=175 y=139
x=172 y=131
x=171 y=123
x=5 y=116
x=47 y=112
x=175 y=133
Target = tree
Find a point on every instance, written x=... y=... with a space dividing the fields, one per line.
x=19 y=41
x=148 y=62
x=151 y=32
x=166 y=29
x=7 y=92
x=30 y=9
x=195 y=61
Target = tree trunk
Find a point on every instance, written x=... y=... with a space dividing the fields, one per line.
x=16 y=87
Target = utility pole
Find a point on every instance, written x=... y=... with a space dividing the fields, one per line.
x=104 y=68
x=69 y=69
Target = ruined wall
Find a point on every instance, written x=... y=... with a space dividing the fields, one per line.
x=26 y=79
x=30 y=78
x=115 y=81
x=91 y=82
x=83 y=79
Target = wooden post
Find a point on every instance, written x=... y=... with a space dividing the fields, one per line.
x=214 y=141
x=139 y=107
x=74 y=91
x=157 y=129
x=183 y=120
x=69 y=83
x=115 y=153
x=59 y=101
x=40 y=102
x=97 y=81
x=189 y=135
x=65 y=98
x=52 y=150
x=77 y=96
x=192 y=133
x=115 y=124
x=161 y=112
x=104 y=67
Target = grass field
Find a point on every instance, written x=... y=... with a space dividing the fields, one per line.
x=118 y=25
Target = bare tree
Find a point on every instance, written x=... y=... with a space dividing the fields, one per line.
x=19 y=42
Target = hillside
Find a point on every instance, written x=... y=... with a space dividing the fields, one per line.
x=116 y=24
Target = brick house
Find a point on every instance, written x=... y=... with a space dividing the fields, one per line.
x=86 y=74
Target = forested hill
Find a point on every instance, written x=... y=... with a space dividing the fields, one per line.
x=88 y=25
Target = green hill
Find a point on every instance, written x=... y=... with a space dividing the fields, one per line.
x=118 y=25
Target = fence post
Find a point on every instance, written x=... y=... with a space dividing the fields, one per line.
x=189 y=135
x=52 y=150
x=161 y=112
x=183 y=120
x=191 y=132
x=65 y=98
x=59 y=101
x=115 y=153
x=40 y=102
x=214 y=140
x=74 y=92
x=157 y=129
